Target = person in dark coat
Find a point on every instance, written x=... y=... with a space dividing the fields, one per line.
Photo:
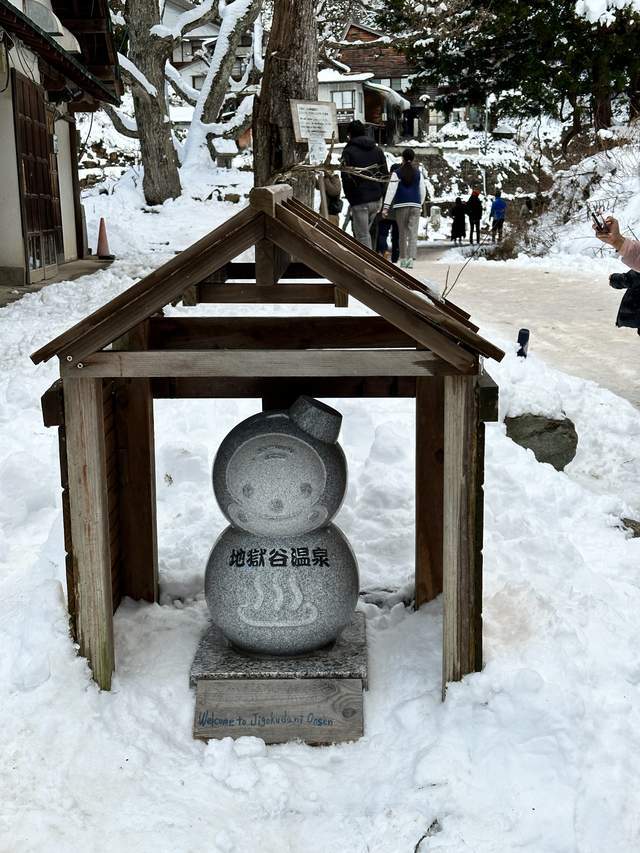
x=458 y=224
x=364 y=195
x=474 y=212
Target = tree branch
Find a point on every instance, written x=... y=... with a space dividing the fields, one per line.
x=118 y=120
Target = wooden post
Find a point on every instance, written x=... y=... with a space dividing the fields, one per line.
x=462 y=536
x=271 y=262
x=84 y=424
x=429 y=487
x=137 y=489
x=136 y=477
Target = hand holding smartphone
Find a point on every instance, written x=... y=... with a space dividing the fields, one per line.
x=599 y=223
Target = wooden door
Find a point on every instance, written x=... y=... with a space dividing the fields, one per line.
x=38 y=179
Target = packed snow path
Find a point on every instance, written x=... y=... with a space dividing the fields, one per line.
x=571 y=314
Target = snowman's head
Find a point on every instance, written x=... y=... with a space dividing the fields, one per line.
x=273 y=476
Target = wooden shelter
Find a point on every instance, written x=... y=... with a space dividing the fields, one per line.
x=114 y=363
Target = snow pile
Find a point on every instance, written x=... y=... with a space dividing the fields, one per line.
x=517 y=758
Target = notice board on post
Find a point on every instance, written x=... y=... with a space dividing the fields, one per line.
x=314 y=119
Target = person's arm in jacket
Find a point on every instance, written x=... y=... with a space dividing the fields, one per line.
x=493 y=209
x=392 y=186
x=423 y=187
x=629 y=250
x=332 y=184
x=383 y=171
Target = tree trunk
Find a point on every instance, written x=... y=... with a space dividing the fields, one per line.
x=576 y=123
x=601 y=91
x=149 y=54
x=290 y=71
x=633 y=92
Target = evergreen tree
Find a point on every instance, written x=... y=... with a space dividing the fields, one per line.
x=536 y=55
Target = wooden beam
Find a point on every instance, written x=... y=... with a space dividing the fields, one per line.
x=321 y=294
x=271 y=262
x=52 y=404
x=84 y=427
x=343 y=276
x=463 y=523
x=156 y=290
x=265 y=199
x=488 y=394
x=136 y=478
x=377 y=386
x=429 y=487
x=297 y=332
x=241 y=270
x=258 y=363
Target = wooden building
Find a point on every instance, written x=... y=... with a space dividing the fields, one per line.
x=55 y=59
x=114 y=363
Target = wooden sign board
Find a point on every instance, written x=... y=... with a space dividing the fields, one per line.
x=315 y=710
x=314 y=119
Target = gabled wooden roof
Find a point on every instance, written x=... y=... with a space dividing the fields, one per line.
x=274 y=216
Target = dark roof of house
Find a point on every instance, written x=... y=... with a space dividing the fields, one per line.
x=60 y=60
x=95 y=34
x=274 y=216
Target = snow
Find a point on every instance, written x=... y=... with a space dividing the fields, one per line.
x=538 y=752
x=390 y=95
x=332 y=75
x=127 y=65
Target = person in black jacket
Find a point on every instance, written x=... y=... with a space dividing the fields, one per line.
x=458 y=225
x=364 y=195
x=474 y=212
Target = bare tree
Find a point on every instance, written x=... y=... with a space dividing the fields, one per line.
x=290 y=71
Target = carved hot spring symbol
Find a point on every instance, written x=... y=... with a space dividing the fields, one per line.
x=291 y=612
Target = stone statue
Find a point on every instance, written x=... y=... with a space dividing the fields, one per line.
x=282 y=579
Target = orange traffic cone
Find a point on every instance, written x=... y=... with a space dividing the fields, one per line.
x=103 y=244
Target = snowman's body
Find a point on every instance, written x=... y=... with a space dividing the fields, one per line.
x=282 y=579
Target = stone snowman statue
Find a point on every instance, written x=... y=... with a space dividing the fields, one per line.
x=282 y=579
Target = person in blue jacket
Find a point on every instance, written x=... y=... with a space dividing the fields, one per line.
x=404 y=197
x=497 y=215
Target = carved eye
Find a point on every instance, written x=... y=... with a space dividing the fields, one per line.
x=248 y=490
x=306 y=489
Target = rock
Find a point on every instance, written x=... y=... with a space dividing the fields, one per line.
x=552 y=441
x=234 y=198
x=632 y=526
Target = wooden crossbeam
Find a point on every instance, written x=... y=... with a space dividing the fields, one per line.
x=198 y=333
x=316 y=386
x=259 y=363
x=321 y=294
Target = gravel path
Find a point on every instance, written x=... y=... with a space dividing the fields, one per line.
x=571 y=316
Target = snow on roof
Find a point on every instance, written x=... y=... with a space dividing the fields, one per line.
x=332 y=75
x=181 y=115
x=390 y=95
x=225 y=146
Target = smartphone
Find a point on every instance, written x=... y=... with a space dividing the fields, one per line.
x=599 y=222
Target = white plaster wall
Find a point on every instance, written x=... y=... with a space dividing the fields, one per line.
x=65 y=181
x=325 y=90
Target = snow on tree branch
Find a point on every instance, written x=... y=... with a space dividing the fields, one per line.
x=180 y=85
x=132 y=71
x=187 y=21
x=240 y=121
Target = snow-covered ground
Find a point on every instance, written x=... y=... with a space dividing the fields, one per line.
x=537 y=753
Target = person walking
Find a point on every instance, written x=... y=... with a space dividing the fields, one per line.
x=333 y=188
x=474 y=212
x=405 y=196
x=458 y=222
x=497 y=215
x=363 y=194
